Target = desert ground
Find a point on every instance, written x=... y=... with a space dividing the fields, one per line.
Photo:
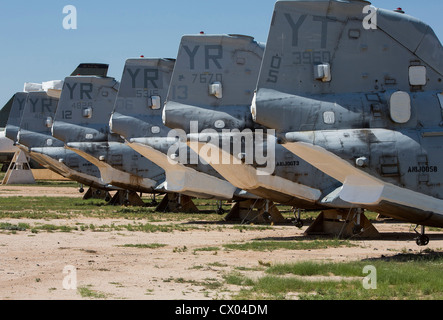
x=189 y=265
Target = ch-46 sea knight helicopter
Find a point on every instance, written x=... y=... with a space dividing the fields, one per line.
x=29 y=127
x=82 y=123
x=217 y=76
x=138 y=118
x=356 y=92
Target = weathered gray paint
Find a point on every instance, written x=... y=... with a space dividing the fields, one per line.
x=239 y=62
x=28 y=116
x=78 y=94
x=33 y=131
x=367 y=67
x=143 y=128
x=232 y=60
x=15 y=115
x=90 y=136
x=141 y=79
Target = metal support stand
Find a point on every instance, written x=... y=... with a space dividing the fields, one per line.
x=94 y=193
x=343 y=224
x=173 y=202
x=127 y=198
x=253 y=211
x=19 y=171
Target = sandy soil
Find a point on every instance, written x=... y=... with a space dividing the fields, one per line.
x=36 y=191
x=32 y=264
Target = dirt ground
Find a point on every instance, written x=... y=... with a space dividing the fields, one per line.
x=32 y=264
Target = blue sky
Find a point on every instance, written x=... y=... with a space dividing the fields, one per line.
x=36 y=47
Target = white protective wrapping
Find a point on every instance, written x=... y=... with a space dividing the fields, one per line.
x=45 y=86
x=32 y=87
x=54 y=85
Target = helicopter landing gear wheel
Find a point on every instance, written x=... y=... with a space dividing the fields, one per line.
x=298 y=224
x=422 y=240
x=220 y=211
x=357 y=229
x=267 y=216
x=298 y=221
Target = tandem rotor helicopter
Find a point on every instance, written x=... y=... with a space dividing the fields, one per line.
x=346 y=99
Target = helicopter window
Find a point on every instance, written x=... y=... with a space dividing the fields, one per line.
x=155 y=129
x=329 y=117
x=417 y=75
x=400 y=107
x=87 y=113
x=322 y=72
x=48 y=122
x=216 y=89
x=154 y=102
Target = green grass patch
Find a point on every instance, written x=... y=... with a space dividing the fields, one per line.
x=207 y=283
x=311 y=268
x=86 y=292
x=53 y=228
x=145 y=246
x=244 y=227
x=260 y=245
x=236 y=278
x=14 y=227
x=49 y=208
x=35 y=229
x=148 y=227
x=404 y=277
x=207 y=249
x=218 y=264
x=67 y=208
x=51 y=183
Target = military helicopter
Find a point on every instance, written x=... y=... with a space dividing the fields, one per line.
x=138 y=118
x=27 y=126
x=355 y=91
x=137 y=115
x=82 y=123
x=212 y=89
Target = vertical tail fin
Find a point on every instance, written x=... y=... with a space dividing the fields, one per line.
x=331 y=47
x=142 y=93
x=213 y=82
x=15 y=115
x=36 y=121
x=5 y=111
x=84 y=110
